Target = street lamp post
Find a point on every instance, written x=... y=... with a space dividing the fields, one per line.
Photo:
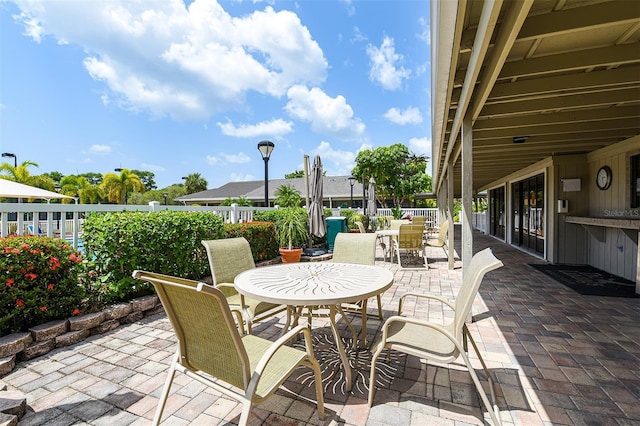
x=10 y=155
x=352 y=181
x=265 y=148
x=164 y=194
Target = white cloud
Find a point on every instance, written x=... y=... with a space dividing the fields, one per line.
x=169 y=59
x=327 y=115
x=425 y=35
x=152 y=167
x=422 y=146
x=100 y=149
x=239 y=177
x=238 y=158
x=335 y=162
x=384 y=65
x=411 y=115
x=274 y=128
x=358 y=35
x=212 y=160
x=223 y=158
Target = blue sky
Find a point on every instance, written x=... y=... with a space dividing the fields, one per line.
x=178 y=87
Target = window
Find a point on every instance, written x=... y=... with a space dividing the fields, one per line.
x=635 y=181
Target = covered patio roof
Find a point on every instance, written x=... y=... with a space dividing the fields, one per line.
x=535 y=79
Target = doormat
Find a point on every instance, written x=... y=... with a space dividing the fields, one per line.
x=589 y=281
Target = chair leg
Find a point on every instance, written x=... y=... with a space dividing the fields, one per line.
x=372 y=375
x=317 y=373
x=246 y=411
x=165 y=391
x=493 y=410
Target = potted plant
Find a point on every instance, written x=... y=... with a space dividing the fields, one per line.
x=292 y=232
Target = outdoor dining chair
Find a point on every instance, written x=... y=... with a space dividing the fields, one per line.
x=441 y=239
x=227 y=258
x=410 y=240
x=441 y=342
x=356 y=248
x=209 y=343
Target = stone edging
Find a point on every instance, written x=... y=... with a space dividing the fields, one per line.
x=43 y=338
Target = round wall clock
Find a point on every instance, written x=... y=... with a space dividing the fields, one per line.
x=603 y=178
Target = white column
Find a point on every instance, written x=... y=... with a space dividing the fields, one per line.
x=450 y=195
x=467 y=192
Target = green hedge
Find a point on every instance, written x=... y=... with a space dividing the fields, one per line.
x=261 y=237
x=38 y=282
x=166 y=242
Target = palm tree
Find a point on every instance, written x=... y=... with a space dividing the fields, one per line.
x=117 y=187
x=22 y=175
x=79 y=186
x=19 y=173
x=195 y=183
x=287 y=196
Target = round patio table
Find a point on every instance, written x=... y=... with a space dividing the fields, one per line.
x=317 y=283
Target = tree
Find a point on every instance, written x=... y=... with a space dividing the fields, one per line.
x=118 y=187
x=399 y=174
x=147 y=178
x=287 y=196
x=240 y=201
x=79 y=186
x=293 y=175
x=21 y=174
x=92 y=177
x=172 y=191
x=56 y=176
x=195 y=183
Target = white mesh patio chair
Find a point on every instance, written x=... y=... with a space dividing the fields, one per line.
x=227 y=258
x=360 y=249
x=209 y=343
x=441 y=342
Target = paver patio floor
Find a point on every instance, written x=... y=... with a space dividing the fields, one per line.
x=558 y=358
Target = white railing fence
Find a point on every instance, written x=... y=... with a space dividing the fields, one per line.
x=65 y=220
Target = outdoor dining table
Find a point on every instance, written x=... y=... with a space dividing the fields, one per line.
x=309 y=284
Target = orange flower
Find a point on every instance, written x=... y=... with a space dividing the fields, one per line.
x=10 y=282
x=20 y=303
x=76 y=312
x=43 y=308
x=31 y=276
x=8 y=249
x=50 y=286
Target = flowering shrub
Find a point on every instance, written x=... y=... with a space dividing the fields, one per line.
x=38 y=282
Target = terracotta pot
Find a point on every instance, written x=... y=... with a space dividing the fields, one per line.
x=290 y=256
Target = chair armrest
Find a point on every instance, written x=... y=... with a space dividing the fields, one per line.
x=424 y=296
x=440 y=329
x=281 y=342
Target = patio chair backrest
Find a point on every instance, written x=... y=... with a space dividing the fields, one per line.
x=442 y=233
x=228 y=257
x=207 y=335
x=419 y=220
x=481 y=263
x=355 y=248
x=395 y=224
x=410 y=237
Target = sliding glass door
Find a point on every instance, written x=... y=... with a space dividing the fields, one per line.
x=497 y=220
x=528 y=213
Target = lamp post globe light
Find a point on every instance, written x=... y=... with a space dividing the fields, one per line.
x=164 y=194
x=352 y=181
x=265 y=148
x=11 y=155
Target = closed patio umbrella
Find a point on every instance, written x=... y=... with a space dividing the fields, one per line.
x=316 y=211
x=372 y=208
